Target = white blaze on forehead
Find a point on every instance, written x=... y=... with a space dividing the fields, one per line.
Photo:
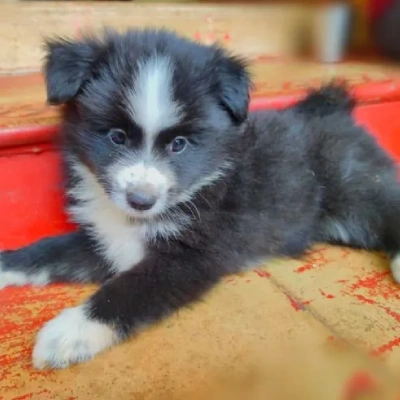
x=142 y=175
x=151 y=101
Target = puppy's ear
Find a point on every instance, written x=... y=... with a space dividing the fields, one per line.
x=68 y=65
x=234 y=87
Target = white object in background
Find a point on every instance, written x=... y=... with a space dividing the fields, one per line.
x=331 y=32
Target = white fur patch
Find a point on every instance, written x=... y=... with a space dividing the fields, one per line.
x=144 y=178
x=141 y=175
x=395 y=268
x=19 y=278
x=122 y=241
x=151 y=103
x=71 y=338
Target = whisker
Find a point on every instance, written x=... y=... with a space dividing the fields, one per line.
x=194 y=206
x=205 y=199
x=188 y=207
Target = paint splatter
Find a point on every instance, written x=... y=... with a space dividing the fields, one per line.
x=389 y=346
x=303 y=268
x=24 y=397
x=371 y=281
x=377 y=284
x=360 y=383
x=363 y=299
x=393 y=314
x=262 y=274
x=326 y=295
x=295 y=304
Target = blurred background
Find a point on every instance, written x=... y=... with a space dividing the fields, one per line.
x=355 y=40
x=327 y=31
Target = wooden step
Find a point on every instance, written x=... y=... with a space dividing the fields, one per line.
x=250 y=30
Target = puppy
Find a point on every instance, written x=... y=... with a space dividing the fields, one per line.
x=174 y=185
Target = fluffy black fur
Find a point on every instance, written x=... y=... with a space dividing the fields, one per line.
x=295 y=177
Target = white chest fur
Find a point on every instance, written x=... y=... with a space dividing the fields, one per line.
x=122 y=242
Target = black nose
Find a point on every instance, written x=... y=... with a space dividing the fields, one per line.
x=140 y=201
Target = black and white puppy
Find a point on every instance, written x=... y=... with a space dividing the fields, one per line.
x=174 y=185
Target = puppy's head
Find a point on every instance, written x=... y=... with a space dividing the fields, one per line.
x=151 y=116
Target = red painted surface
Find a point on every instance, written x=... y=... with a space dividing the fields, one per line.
x=383 y=120
x=26 y=135
x=31 y=195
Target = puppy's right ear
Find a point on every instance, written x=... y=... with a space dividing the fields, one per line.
x=68 y=65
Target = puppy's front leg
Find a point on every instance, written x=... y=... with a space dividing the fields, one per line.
x=150 y=291
x=65 y=258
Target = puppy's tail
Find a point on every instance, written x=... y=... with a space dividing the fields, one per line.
x=329 y=99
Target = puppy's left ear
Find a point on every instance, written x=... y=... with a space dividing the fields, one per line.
x=234 y=87
x=68 y=66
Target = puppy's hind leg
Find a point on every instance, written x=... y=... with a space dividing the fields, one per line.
x=366 y=216
x=376 y=226
x=395 y=267
x=386 y=232
x=391 y=238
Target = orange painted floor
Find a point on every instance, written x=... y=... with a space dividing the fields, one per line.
x=325 y=327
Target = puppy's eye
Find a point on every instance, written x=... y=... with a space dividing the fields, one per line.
x=178 y=144
x=117 y=136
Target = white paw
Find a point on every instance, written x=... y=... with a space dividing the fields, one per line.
x=71 y=338
x=395 y=268
x=14 y=278
x=18 y=278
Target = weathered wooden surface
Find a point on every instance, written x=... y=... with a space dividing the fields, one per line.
x=250 y=30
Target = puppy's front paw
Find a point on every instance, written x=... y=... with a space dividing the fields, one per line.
x=71 y=338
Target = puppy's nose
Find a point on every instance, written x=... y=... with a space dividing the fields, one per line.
x=140 y=201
